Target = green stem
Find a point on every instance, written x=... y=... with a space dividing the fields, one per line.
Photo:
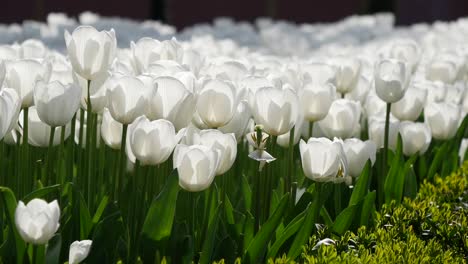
x=311 y=128
x=121 y=163
x=49 y=172
x=25 y=157
x=71 y=151
x=80 y=166
x=62 y=153
x=387 y=128
x=289 y=175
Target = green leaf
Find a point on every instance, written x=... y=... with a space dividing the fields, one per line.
x=257 y=247
x=248 y=231
x=288 y=232
x=160 y=217
x=9 y=205
x=53 y=250
x=39 y=193
x=396 y=181
x=86 y=223
x=411 y=184
x=247 y=194
x=344 y=219
x=209 y=243
x=362 y=185
x=100 y=210
x=392 y=179
x=368 y=208
x=437 y=161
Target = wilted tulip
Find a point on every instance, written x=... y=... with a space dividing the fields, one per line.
x=217 y=103
x=376 y=132
x=171 y=101
x=411 y=105
x=56 y=104
x=152 y=142
x=316 y=100
x=39 y=132
x=357 y=153
x=111 y=130
x=10 y=105
x=391 y=79
x=22 y=76
x=37 y=221
x=91 y=52
x=225 y=143
x=443 y=119
x=196 y=166
x=416 y=137
x=276 y=109
x=79 y=250
x=342 y=119
x=127 y=98
x=323 y=160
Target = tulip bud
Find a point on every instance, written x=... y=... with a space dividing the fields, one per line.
x=225 y=143
x=37 y=221
x=56 y=103
x=391 y=79
x=91 y=52
x=276 y=109
x=196 y=166
x=22 y=76
x=10 y=105
x=152 y=142
x=443 y=119
x=376 y=132
x=79 y=250
x=411 y=105
x=357 y=153
x=342 y=119
x=416 y=137
x=316 y=100
x=323 y=160
x=111 y=130
x=217 y=103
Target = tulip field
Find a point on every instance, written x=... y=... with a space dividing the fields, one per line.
x=131 y=142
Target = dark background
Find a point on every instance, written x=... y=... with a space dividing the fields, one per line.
x=183 y=13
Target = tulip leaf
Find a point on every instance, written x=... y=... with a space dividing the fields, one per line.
x=209 y=243
x=160 y=217
x=287 y=233
x=100 y=210
x=247 y=194
x=39 y=193
x=344 y=219
x=9 y=205
x=368 y=208
x=362 y=185
x=437 y=161
x=86 y=223
x=390 y=186
x=53 y=250
x=258 y=246
x=411 y=184
x=249 y=226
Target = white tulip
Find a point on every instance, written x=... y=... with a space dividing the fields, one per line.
x=443 y=119
x=127 y=98
x=319 y=73
x=152 y=142
x=316 y=100
x=97 y=90
x=225 y=143
x=347 y=73
x=22 y=76
x=376 y=132
x=39 y=132
x=411 y=105
x=342 y=119
x=33 y=49
x=283 y=140
x=239 y=122
x=145 y=51
x=79 y=250
x=111 y=130
x=10 y=105
x=91 y=52
x=442 y=68
x=391 y=79
x=406 y=50
x=217 y=103
x=196 y=166
x=416 y=137
x=323 y=160
x=56 y=104
x=37 y=221
x=276 y=109
x=357 y=153
x=361 y=91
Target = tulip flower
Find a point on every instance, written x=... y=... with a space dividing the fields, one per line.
x=276 y=109
x=283 y=140
x=145 y=51
x=443 y=68
x=56 y=104
x=91 y=52
x=347 y=73
x=416 y=137
x=152 y=142
x=443 y=119
x=323 y=160
x=111 y=130
x=79 y=250
x=225 y=143
x=171 y=101
x=217 y=103
x=39 y=132
x=406 y=50
x=196 y=166
x=319 y=73
x=342 y=119
x=357 y=153
x=239 y=122
x=10 y=105
x=127 y=98
x=97 y=90
x=411 y=105
x=360 y=92
x=376 y=132
x=22 y=76
x=33 y=49
x=37 y=221
x=391 y=79
x=316 y=101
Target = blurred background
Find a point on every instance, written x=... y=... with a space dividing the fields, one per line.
x=181 y=13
